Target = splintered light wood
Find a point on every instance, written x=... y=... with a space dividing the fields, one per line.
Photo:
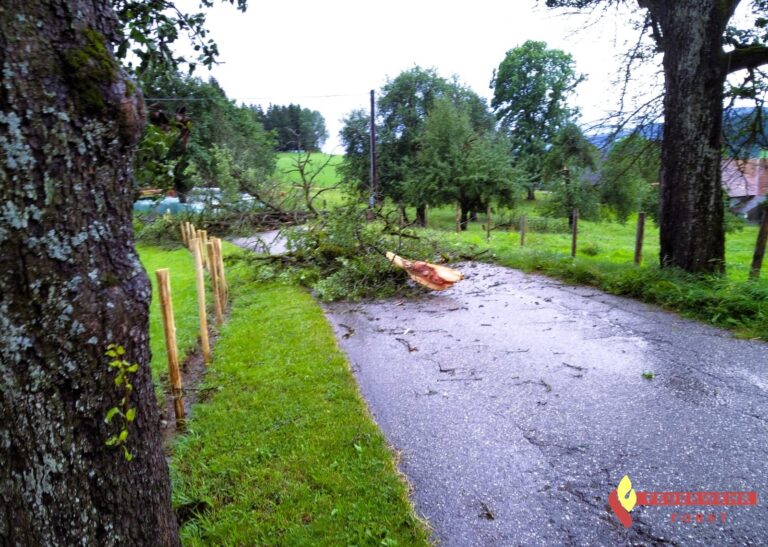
x=432 y=276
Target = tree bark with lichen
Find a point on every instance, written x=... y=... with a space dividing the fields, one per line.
x=70 y=285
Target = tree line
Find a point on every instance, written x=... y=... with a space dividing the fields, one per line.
x=440 y=143
x=195 y=134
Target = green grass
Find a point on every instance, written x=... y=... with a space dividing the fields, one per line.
x=184 y=293
x=607 y=243
x=329 y=176
x=599 y=243
x=283 y=451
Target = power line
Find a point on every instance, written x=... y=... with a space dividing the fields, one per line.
x=256 y=98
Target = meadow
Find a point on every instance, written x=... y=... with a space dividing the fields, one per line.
x=328 y=175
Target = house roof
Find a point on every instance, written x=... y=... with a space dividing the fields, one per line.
x=742 y=178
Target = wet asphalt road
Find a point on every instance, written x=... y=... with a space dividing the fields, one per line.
x=271 y=242
x=518 y=403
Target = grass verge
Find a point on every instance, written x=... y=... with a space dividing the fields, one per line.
x=282 y=451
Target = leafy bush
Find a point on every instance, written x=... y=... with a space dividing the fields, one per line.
x=578 y=193
x=732 y=223
x=591 y=249
x=161 y=231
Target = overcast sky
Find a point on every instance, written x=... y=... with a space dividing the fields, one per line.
x=327 y=55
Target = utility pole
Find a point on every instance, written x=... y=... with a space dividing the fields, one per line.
x=372 y=199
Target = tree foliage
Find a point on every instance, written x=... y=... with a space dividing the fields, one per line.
x=355 y=135
x=458 y=164
x=212 y=122
x=427 y=129
x=402 y=109
x=149 y=28
x=569 y=149
x=629 y=177
x=567 y=167
x=530 y=91
x=296 y=128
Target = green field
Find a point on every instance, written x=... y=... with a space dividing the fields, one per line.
x=286 y=161
x=598 y=242
x=328 y=176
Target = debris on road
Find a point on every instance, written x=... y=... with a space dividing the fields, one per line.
x=432 y=276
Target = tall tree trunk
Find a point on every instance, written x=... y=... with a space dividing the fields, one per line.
x=531 y=193
x=692 y=232
x=421 y=215
x=464 y=216
x=70 y=284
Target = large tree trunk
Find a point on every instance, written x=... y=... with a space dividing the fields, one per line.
x=692 y=233
x=70 y=284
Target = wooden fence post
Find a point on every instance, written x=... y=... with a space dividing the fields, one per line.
x=575 y=234
x=202 y=235
x=488 y=222
x=214 y=271
x=523 y=227
x=221 y=275
x=183 y=233
x=205 y=247
x=639 y=238
x=458 y=217
x=201 y=308
x=169 y=326
x=191 y=234
x=762 y=236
